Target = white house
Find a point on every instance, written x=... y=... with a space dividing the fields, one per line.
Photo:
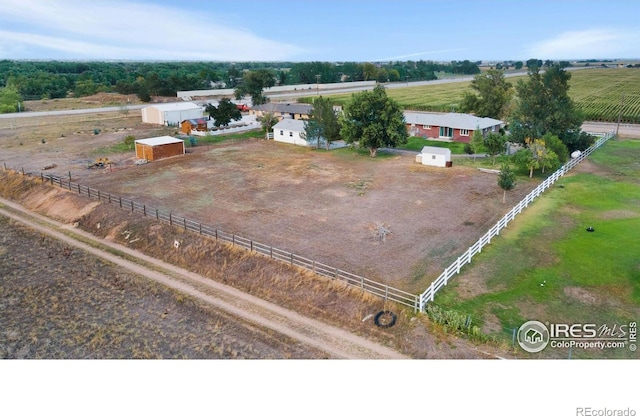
x=290 y=131
x=434 y=156
x=171 y=114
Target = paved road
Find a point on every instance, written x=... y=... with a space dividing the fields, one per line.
x=337 y=342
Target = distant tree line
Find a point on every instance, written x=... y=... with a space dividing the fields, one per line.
x=60 y=79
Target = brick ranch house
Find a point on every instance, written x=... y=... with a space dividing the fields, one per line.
x=450 y=127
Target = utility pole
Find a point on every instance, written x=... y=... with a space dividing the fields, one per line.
x=620 y=114
x=317 y=84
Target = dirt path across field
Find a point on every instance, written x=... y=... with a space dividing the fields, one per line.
x=336 y=342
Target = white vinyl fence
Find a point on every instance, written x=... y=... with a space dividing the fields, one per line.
x=454 y=268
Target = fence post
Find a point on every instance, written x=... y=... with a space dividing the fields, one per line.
x=41 y=177
x=98 y=195
x=200 y=228
x=89 y=193
x=291 y=256
x=131 y=206
x=157 y=215
x=251 y=244
x=144 y=210
x=109 y=195
x=233 y=239
x=271 y=251
x=184 y=221
x=120 y=201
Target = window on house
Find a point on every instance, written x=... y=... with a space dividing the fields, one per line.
x=290 y=134
x=446 y=132
x=464 y=132
x=426 y=127
x=281 y=133
x=433 y=157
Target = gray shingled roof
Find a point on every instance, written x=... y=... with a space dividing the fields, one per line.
x=436 y=150
x=295 y=108
x=290 y=124
x=453 y=120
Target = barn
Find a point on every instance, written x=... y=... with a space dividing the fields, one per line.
x=434 y=156
x=161 y=147
x=171 y=114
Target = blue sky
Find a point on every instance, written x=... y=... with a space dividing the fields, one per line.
x=298 y=30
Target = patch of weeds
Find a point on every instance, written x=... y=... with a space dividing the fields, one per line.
x=361 y=185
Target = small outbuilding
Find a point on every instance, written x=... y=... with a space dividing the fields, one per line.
x=161 y=147
x=194 y=124
x=290 y=131
x=435 y=156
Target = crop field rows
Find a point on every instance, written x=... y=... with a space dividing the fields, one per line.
x=598 y=93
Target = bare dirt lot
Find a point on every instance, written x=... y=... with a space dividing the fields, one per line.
x=325 y=206
x=60 y=302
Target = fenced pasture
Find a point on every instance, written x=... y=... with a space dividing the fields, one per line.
x=546 y=266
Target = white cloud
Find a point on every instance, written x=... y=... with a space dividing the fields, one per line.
x=126 y=30
x=595 y=43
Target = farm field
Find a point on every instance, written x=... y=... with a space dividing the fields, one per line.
x=596 y=92
x=546 y=267
x=62 y=303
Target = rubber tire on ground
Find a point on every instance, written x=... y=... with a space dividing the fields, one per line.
x=379 y=319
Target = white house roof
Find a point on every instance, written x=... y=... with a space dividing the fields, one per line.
x=290 y=124
x=436 y=150
x=453 y=120
x=180 y=106
x=158 y=141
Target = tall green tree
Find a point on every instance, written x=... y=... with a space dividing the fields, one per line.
x=224 y=112
x=10 y=100
x=476 y=144
x=323 y=123
x=253 y=83
x=544 y=106
x=554 y=143
x=495 y=143
x=506 y=180
x=373 y=120
x=492 y=93
x=267 y=121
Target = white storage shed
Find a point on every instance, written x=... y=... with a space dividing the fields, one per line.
x=434 y=156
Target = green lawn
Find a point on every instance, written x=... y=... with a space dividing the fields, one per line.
x=545 y=266
x=417 y=143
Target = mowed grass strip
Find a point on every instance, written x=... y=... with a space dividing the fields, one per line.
x=545 y=266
